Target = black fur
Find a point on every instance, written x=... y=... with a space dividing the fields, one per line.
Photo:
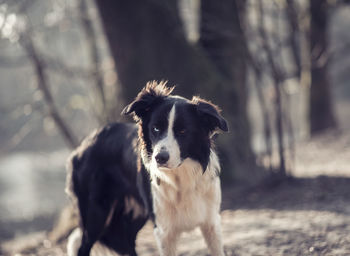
x=104 y=173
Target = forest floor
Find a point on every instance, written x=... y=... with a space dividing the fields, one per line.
x=307 y=214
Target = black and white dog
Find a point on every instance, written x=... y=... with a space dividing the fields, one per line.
x=165 y=167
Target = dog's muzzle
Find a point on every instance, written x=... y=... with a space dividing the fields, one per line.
x=162 y=158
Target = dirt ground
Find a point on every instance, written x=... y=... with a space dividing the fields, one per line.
x=308 y=214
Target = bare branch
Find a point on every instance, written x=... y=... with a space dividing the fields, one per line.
x=277 y=77
x=257 y=69
x=93 y=54
x=58 y=66
x=292 y=14
x=39 y=67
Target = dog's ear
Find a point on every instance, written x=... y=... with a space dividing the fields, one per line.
x=210 y=115
x=152 y=93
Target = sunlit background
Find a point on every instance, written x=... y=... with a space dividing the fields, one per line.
x=59 y=81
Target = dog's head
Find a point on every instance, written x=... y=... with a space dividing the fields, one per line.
x=172 y=128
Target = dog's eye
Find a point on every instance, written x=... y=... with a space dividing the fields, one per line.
x=155 y=129
x=182 y=131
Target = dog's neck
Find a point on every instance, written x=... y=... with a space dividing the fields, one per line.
x=184 y=176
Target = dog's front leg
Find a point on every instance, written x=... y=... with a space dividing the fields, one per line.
x=211 y=231
x=166 y=241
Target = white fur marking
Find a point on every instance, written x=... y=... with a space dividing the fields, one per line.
x=74 y=242
x=169 y=143
x=187 y=198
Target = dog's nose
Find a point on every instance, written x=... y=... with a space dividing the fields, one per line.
x=162 y=157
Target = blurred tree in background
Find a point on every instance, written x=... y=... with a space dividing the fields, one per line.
x=321 y=103
x=149 y=42
x=238 y=53
x=277 y=68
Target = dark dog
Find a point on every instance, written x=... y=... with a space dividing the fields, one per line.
x=112 y=175
x=104 y=182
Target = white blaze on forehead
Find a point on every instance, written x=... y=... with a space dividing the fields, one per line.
x=169 y=143
x=171 y=120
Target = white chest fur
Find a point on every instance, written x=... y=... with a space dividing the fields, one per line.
x=185 y=197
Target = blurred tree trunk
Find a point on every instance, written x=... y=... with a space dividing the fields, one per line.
x=321 y=106
x=294 y=35
x=94 y=60
x=148 y=42
x=223 y=41
x=278 y=77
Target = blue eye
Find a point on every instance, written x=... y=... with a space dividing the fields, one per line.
x=156 y=129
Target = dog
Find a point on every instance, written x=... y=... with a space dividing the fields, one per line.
x=164 y=168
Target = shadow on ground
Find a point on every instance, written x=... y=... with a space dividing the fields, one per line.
x=322 y=193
